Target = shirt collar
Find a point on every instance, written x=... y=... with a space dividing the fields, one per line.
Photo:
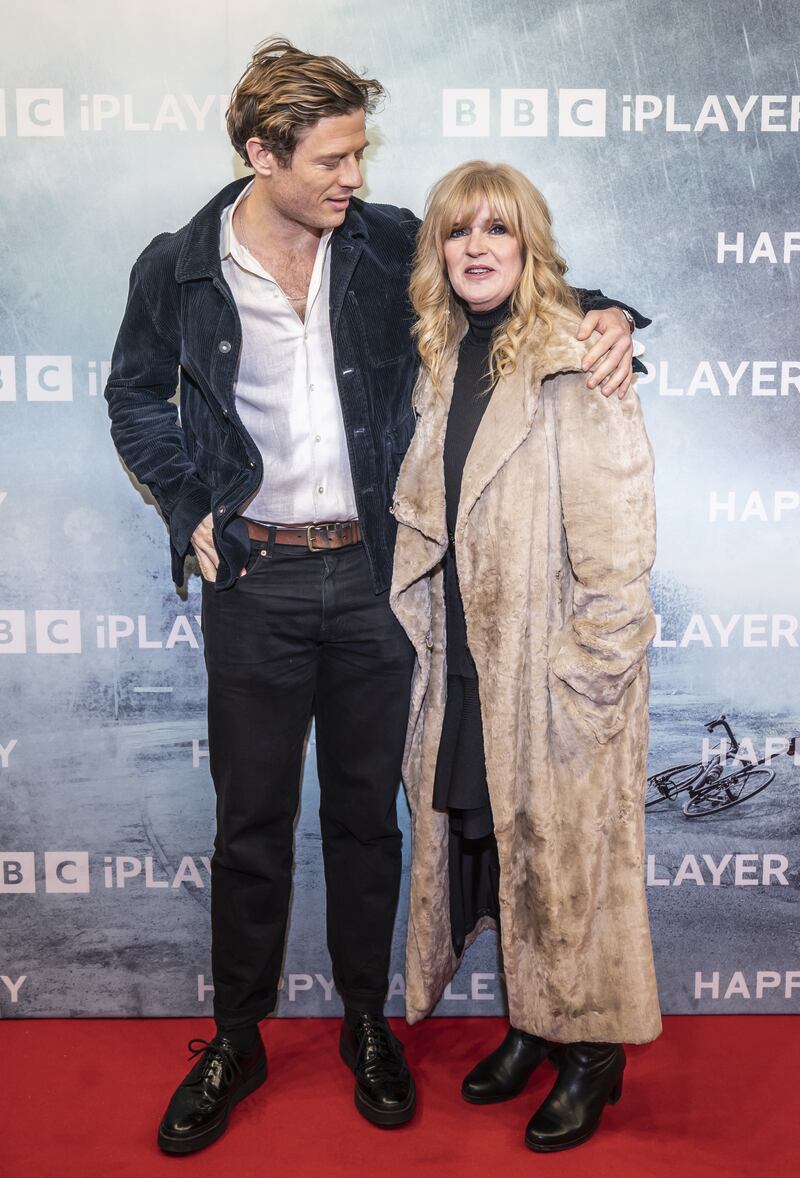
x=231 y=247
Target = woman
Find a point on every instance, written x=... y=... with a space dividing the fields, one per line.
x=526 y=535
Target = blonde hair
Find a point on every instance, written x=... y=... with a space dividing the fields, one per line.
x=453 y=202
x=284 y=92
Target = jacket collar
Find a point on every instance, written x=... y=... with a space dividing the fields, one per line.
x=199 y=254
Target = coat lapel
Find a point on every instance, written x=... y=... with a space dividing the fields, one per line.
x=511 y=412
x=504 y=427
x=419 y=501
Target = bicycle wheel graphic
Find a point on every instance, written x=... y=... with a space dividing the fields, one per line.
x=728 y=791
x=661 y=787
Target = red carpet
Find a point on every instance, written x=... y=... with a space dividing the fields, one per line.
x=713 y=1096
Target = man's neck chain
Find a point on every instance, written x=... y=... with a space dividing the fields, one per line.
x=243 y=236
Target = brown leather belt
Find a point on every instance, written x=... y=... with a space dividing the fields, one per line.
x=315 y=537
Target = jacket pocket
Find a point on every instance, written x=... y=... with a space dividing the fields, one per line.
x=384 y=332
x=214 y=469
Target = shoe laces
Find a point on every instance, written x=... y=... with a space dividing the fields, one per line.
x=218 y=1054
x=378 y=1051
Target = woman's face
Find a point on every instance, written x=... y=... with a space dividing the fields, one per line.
x=484 y=262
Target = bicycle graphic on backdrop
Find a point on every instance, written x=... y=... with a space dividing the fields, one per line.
x=711 y=785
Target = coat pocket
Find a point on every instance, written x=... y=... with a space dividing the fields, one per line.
x=580 y=722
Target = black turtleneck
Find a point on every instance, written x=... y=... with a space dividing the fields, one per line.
x=472 y=391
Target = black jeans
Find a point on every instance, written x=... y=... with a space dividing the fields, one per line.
x=303 y=633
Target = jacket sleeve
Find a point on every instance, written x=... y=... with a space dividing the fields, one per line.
x=608 y=511
x=595 y=300
x=144 y=419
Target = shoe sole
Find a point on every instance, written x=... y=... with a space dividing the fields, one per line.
x=383 y=1118
x=493 y=1099
x=182 y=1145
x=561 y=1148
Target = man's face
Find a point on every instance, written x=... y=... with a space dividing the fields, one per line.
x=324 y=172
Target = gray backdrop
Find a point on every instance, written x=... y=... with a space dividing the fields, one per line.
x=665 y=138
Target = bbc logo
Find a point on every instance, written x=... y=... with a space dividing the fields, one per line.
x=56 y=631
x=38 y=113
x=47 y=378
x=64 y=871
x=524 y=112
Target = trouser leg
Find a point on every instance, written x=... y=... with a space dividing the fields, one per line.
x=260 y=648
x=363 y=685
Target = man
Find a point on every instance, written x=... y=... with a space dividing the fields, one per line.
x=283 y=307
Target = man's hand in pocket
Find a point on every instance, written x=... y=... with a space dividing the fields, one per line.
x=205 y=550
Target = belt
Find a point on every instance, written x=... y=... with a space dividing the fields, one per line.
x=314 y=537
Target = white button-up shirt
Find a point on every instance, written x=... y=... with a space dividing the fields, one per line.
x=286 y=394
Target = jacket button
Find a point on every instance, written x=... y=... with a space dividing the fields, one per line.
x=221 y=510
x=224 y=345
x=252 y=464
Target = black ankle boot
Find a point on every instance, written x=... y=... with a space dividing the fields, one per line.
x=503 y=1074
x=589 y=1077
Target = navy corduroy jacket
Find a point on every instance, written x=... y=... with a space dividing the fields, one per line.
x=181 y=327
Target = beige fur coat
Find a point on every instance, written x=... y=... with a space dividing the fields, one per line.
x=554 y=542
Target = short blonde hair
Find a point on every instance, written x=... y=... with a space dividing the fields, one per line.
x=453 y=202
x=284 y=92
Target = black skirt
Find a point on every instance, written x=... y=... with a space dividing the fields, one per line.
x=460 y=781
x=460 y=787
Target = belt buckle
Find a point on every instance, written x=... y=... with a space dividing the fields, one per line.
x=309 y=541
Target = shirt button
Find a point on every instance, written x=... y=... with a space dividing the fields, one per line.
x=321 y=490
x=311 y=388
x=224 y=345
x=318 y=438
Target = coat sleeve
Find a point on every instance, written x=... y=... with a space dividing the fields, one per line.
x=144 y=418
x=608 y=511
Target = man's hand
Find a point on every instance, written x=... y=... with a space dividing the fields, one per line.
x=611 y=358
x=205 y=551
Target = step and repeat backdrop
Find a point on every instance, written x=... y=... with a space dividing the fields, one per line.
x=665 y=137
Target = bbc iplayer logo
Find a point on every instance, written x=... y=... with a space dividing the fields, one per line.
x=524 y=112
x=64 y=871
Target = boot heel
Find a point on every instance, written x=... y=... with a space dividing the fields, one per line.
x=616 y=1092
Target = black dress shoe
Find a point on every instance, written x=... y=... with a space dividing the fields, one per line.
x=384 y=1092
x=589 y=1078
x=199 y=1110
x=503 y=1074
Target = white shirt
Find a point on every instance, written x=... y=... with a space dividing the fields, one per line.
x=286 y=393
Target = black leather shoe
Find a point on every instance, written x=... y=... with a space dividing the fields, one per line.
x=199 y=1110
x=589 y=1078
x=384 y=1092
x=503 y=1074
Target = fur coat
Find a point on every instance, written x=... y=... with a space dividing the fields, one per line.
x=554 y=539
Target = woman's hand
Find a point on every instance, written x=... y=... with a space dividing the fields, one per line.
x=611 y=358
